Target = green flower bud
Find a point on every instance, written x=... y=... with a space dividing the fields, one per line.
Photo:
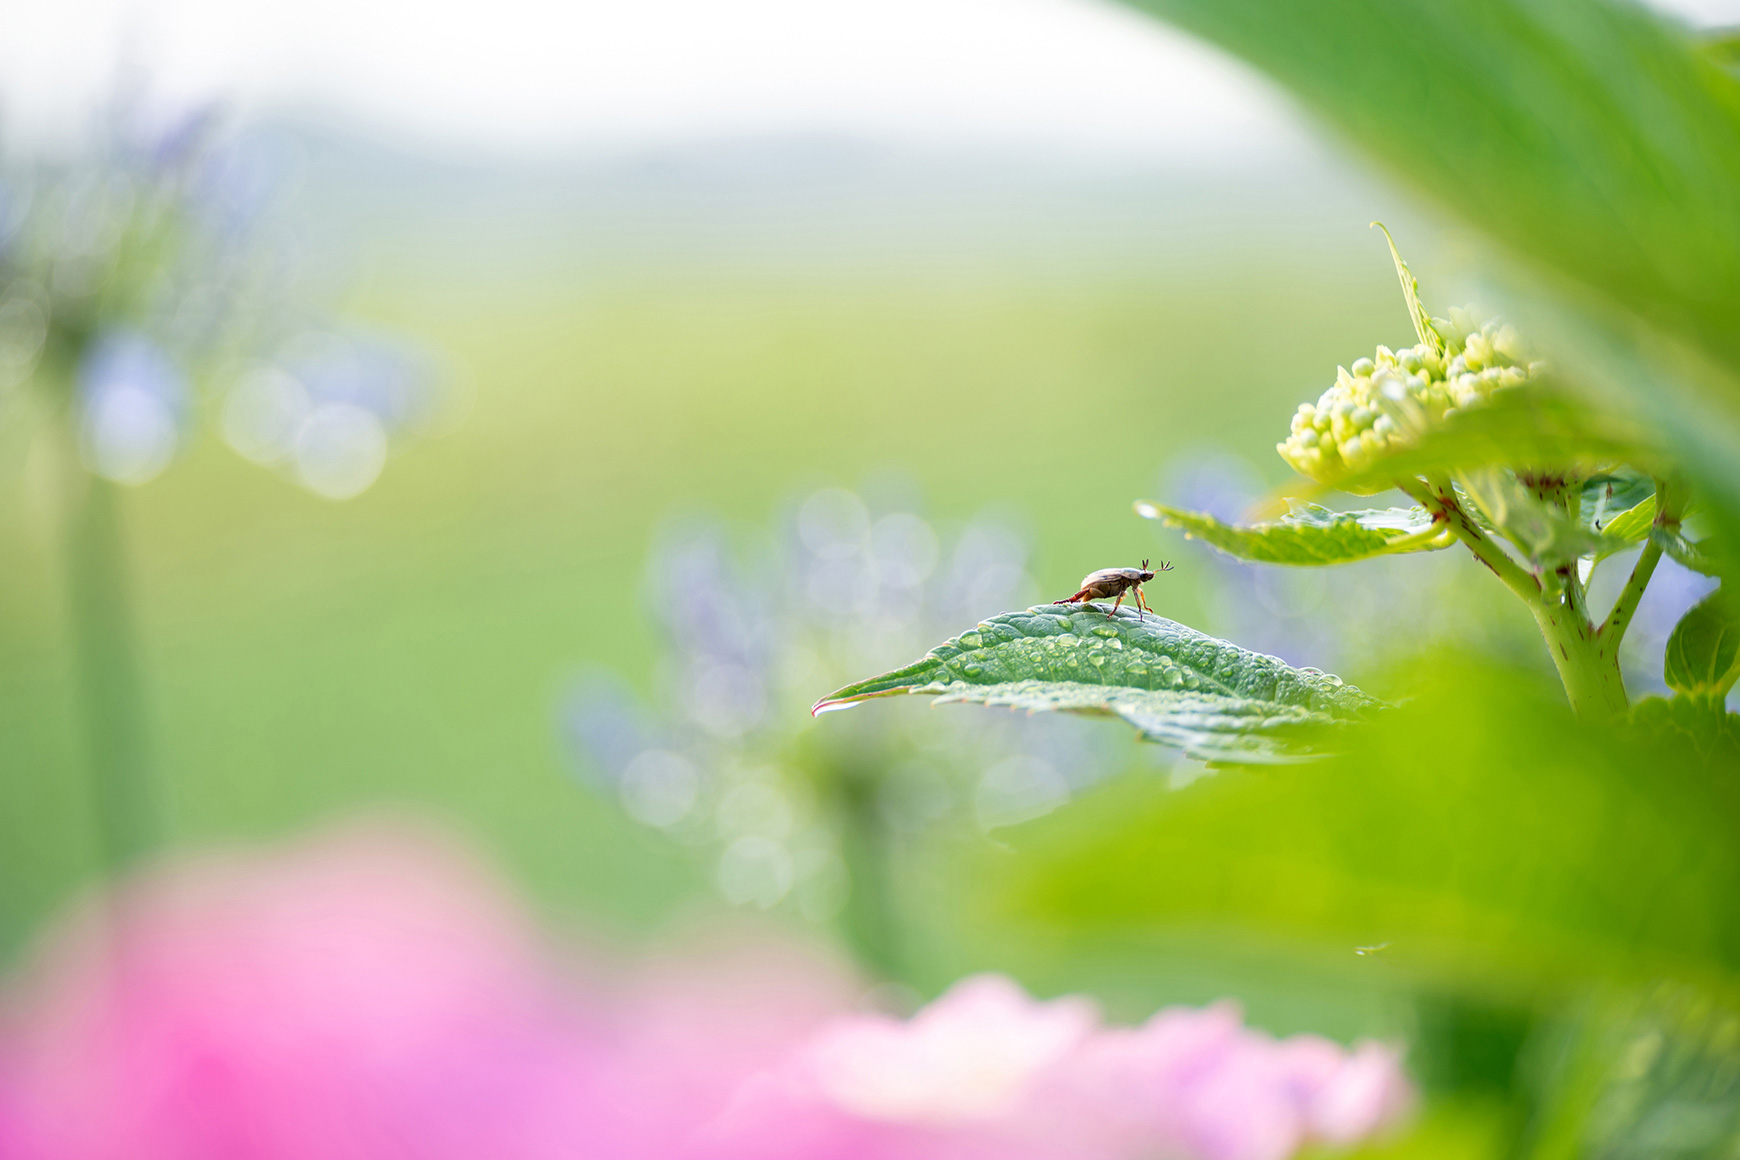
x=1508 y=343
x=1387 y=401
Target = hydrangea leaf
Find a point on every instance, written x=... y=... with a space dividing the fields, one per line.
x=1608 y=494
x=1625 y=530
x=1176 y=686
x=1309 y=534
x=1423 y=327
x=1545 y=533
x=1694 y=554
x=1703 y=653
x=1630 y=526
x=1586 y=136
x=1701 y=723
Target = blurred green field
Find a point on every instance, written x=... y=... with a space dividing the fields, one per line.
x=307 y=659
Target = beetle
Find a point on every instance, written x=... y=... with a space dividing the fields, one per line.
x=1110 y=582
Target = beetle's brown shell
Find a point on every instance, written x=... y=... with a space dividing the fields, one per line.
x=1122 y=576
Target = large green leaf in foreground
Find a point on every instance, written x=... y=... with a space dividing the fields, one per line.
x=1177 y=686
x=1587 y=136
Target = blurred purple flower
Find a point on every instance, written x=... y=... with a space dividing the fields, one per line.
x=155 y=259
x=133 y=403
x=176 y=146
x=328 y=407
x=839 y=589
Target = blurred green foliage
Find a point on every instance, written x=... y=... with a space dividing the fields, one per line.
x=1480 y=872
x=304 y=658
x=1587 y=137
x=1479 y=830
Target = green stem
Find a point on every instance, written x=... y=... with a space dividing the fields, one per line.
x=1441 y=502
x=871 y=919
x=1587 y=668
x=112 y=703
x=1668 y=513
x=1590 y=674
x=1612 y=630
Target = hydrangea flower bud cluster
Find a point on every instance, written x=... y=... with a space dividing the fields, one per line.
x=1383 y=403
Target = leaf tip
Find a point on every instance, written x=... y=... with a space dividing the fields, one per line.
x=1422 y=320
x=1269 y=507
x=1149 y=510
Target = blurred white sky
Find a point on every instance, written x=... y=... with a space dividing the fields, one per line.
x=536 y=74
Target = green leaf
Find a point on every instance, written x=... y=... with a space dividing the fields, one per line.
x=1693 y=554
x=1177 y=686
x=1609 y=493
x=1622 y=1067
x=1591 y=138
x=1309 y=534
x=1702 y=724
x=1423 y=327
x=1478 y=828
x=1546 y=534
x=1703 y=653
x=1628 y=527
x=1722 y=46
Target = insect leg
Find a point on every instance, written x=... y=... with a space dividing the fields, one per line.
x=1141 y=602
x=1114 y=610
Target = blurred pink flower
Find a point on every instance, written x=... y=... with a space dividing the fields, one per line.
x=370 y=997
x=1198 y=1082
x=971 y=1055
x=986 y=1071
